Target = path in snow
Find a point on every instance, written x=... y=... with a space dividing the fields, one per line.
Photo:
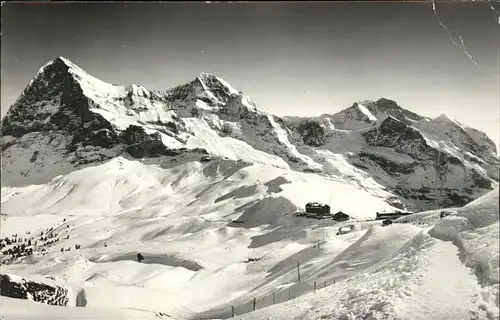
x=425 y=280
x=444 y=288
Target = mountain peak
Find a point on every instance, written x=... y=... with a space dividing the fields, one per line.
x=207 y=76
x=212 y=82
x=62 y=65
x=59 y=60
x=54 y=77
x=59 y=63
x=387 y=103
x=385 y=107
x=443 y=117
x=64 y=60
x=213 y=87
x=365 y=113
x=58 y=86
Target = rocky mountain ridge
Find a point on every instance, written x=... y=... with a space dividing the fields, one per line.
x=21 y=288
x=66 y=119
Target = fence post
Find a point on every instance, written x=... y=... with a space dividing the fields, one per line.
x=274 y=300
x=298 y=271
x=314 y=286
x=289 y=295
x=254 y=303
x=232 y=311
x=325 y=284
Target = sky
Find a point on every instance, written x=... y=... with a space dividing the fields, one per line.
x=303 y=58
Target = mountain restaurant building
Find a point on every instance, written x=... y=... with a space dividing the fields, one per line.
x=317 y=209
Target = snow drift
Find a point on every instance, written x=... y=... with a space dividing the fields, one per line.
x=475 y=230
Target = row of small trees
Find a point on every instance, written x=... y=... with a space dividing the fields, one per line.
x=18 y=246
x=77 y=246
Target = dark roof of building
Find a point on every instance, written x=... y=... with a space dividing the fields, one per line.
x=393 y=213
x=316 y=204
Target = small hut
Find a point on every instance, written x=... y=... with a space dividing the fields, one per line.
x=140 y=257
x=341 y=216
x=444 y=214
x=386 y=222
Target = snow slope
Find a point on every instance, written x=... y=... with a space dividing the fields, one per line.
x=206 y=187
x=196 y=259
x=22 y=309
x=408 y=285
x=425 y=278
x=180 y=219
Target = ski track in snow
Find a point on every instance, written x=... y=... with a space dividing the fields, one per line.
x=425 y=280
x=444 y=288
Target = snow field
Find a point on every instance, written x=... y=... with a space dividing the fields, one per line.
x=196 y=259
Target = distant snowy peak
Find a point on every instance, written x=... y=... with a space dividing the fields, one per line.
x=208 y=93
x=442 y=132
x=366 y=113
x=137 y=90
x=443 y=117
x=214 y=87
x=383 y=108
x=445 y=129
x=62 y=96
x=53 y=87
x=88 y=83
x=60 y=64
x=70 y=68
x=353 y=118
x=214 y=83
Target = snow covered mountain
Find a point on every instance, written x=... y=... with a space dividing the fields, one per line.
x=206 y=188
x=66 y=119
